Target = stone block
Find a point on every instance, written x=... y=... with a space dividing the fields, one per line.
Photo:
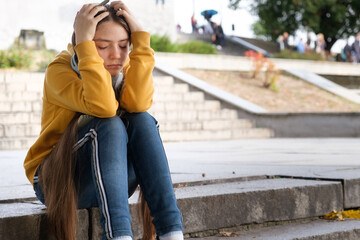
x=225 y=114
x=33 y=130
x=21 y=106
x=226 y=124
x=28 y=221
x=176 y=115
x=5 y=106
x=2 y=77
x=16 y=143
x=163 y=80
x=15 y=87
x=165 y=97
x=175 y=88
x=15 y=130
x=96 y=229
x=188 y=105
x=37 y=77
x=82 y=229
x=180 y=126
x=2 y=131
x=35 y=117
x=34 y=86
x=31 y=96
x=194 y=96
x=195 y=135
x=20 y=220
x=37 y=106
x=14 y=118
x=233 y=204
x=2 y=87
x=351 y=193
x=252 y=133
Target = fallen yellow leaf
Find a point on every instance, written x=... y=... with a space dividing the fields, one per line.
x=227 y=234
x=342 y=215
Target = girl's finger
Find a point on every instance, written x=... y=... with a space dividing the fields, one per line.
x=101 y=16
x=87 y=8
x=96 y=9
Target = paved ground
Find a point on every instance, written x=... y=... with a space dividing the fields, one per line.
x=196 y=161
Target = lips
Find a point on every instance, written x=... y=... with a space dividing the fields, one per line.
x=111 y=66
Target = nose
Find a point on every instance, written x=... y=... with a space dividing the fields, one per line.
x=115 y=52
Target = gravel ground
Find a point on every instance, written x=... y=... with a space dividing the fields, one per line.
x=293 y=95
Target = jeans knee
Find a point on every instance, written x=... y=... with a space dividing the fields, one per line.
x=141 y=120
x=113 y=126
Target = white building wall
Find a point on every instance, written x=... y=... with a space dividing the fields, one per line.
x=55 y=19
x=156 y=18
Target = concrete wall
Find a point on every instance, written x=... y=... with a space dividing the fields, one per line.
x=297 y=125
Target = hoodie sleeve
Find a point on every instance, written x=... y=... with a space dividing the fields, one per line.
x=92 y=95
x=138 y=89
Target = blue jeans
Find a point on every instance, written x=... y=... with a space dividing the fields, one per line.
x=114 y=156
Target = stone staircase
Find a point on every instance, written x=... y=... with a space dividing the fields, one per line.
x=257 y=208
x=183 y=114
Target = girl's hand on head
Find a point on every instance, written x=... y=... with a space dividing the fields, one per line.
x=86 y=22
x=123 y=10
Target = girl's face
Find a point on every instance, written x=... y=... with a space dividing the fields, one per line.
x=112 y=44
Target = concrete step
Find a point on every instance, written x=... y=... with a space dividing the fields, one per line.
x=305 y=230
x=163 y=80
x=26 y=85
x=28 y=82
x=356 y=91
x=193 y=115
x=16 y=143
x=20 y=130
x=208 y=135
x=174 y=96
x=205 y=125
x=20 y=118
x=20 y=106
x=178 y=87
x=188 y=105
x=20 y=96
x=22 y=77
x=204 y=207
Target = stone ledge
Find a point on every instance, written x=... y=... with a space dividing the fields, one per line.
x=309 y=230
x=203 y=207
x=232 y=204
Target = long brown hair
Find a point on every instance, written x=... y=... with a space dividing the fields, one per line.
x=57 y=173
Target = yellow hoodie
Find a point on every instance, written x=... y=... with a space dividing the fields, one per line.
x=65 y=93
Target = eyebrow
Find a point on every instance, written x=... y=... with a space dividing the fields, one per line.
x=106 y=40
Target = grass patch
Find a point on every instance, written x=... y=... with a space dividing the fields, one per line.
x=287 y=54
x=163 y=44
x=22 y=59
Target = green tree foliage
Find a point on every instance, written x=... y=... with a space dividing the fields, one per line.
x=334 y=18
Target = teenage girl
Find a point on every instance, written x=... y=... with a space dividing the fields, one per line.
x=97 y=142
